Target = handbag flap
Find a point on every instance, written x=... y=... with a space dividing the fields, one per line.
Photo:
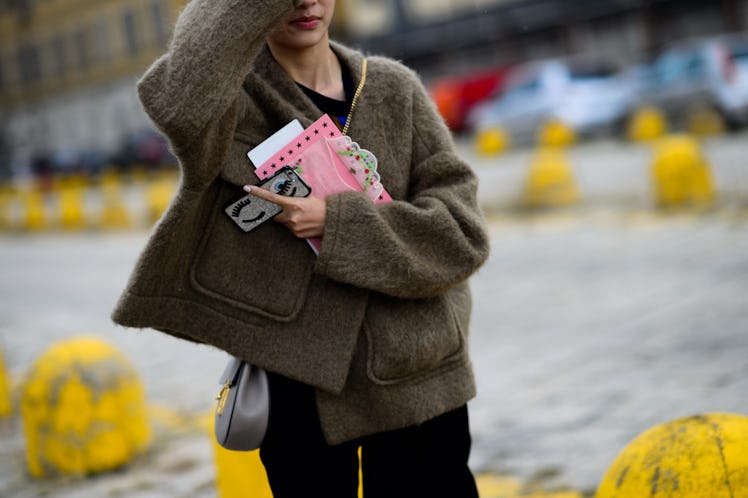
x=231 y=373
x=240 y=421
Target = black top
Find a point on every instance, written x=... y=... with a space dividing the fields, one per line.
x=337 y=109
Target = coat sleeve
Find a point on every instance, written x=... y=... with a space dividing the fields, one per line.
x=193 y=92
x=414 y=248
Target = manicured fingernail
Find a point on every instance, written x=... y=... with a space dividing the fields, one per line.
x=247 y=188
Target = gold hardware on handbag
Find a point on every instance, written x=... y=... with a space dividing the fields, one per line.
x=243 y=406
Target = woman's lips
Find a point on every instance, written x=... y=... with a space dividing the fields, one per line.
x=305 y=22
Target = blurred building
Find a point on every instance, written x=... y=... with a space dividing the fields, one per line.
x=447 y=36
x=68 y=67
x=67 y=74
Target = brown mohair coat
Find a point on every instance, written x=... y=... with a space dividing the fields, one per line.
x=378 y=321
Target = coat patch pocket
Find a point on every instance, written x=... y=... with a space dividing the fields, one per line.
x=410 y=337
x=246 y=270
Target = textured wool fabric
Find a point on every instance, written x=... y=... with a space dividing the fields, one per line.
x=378 y=321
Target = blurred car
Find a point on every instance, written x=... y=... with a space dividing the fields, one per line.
x=456 y=96
x=65 y=161
x=699 y=73
x=78 y=161
x=145 y=147
x=589 y=96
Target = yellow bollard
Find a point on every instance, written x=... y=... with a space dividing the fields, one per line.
x=35 y=211
x=240 y=474
x=114 y=213
x=680 y=173
x=647 y=123
x=491 y=141
x=502 y=486
x=83 y=409
x=6 y=199
x=111 y=178
x=139 y=174
x=72 y=209
x=158 y=196
x=497 y=486
x=78 y=180
x=702 y=186
x=705 y=121
x=6 y=404
x=550 y=181
x=704 y=456
x=554 y=133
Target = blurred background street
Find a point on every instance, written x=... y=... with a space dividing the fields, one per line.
x=611 y=145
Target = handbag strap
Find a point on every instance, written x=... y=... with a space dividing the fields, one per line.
x=356 y=95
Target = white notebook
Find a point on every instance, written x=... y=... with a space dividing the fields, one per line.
x=274 y=142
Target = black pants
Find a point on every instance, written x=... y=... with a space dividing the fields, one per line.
x=428 y=460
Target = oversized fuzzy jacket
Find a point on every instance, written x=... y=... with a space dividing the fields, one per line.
x=378 y=321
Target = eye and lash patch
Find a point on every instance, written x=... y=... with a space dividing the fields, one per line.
x=250 y=211
x=239 y=207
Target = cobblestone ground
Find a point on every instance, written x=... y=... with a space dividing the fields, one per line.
x=591 y=324
x=589 y=330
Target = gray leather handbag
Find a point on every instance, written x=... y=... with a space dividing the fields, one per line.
x=243 y=407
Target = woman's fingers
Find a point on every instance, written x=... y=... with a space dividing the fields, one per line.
x=267 y=195
x=304 y=216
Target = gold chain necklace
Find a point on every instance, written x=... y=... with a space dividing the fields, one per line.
x=355 y=98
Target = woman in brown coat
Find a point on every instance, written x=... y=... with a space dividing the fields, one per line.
x=365 y=342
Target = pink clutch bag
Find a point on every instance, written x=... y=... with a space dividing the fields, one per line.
x=330 y=163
